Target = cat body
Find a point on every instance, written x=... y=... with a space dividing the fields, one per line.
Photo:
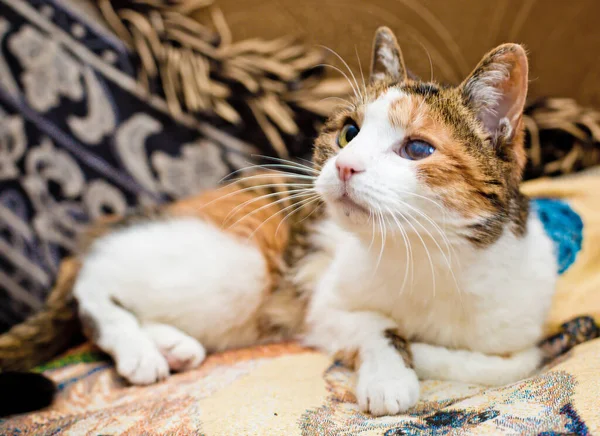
x=406 y=251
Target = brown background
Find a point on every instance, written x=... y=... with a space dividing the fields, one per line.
x=562 y=36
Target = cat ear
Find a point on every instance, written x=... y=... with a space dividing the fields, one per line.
x=387 y=60
x=496 y=90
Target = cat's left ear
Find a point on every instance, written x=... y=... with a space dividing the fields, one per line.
x=497 y=89
x=387 y=59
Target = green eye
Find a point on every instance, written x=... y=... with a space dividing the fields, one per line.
x=347 y=134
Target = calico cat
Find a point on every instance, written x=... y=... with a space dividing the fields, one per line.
x=406 y=249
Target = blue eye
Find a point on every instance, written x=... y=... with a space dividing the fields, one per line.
x=416 y=150
x=347 y=134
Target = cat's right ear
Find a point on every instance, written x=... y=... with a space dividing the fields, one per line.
x=387 y=59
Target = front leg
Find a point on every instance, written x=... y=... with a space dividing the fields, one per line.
x=370 y=343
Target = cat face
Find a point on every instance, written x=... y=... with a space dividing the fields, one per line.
x=409 y=151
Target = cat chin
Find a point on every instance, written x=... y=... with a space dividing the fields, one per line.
x=351 y=219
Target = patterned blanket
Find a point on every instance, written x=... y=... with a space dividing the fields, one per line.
x=284 y=389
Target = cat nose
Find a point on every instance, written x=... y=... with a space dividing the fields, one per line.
x=348 y=167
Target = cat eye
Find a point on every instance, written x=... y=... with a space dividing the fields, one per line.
x=347 y=134
x=416 y=150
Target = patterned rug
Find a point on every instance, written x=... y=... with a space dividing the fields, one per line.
x=284 y=389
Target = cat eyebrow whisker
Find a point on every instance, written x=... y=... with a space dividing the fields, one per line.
x=429 y=57
x=349 y=105
x=361 y=97
x=361 y=71
x=354 y=89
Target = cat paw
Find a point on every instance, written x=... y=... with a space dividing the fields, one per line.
x=383 y=392
x=181 y=351
x=140 y=363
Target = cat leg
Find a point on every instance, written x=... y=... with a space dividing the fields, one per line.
x=181 y=351
x=368 y=341
x=440 y=363
x=117 y=332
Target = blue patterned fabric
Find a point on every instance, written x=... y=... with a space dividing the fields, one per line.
x=565 y=228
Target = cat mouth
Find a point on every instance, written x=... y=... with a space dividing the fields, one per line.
x=350 y=205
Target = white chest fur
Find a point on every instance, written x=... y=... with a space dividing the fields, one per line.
x=493 y=300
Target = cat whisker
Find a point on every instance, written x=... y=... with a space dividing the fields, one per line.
x=407 y=247
x=382 y=234
x=446 y=259
x=297 y=188
x=270 y=173
x=314 y=210
x=309 y=167
x=275 y=167
x=286 y=197
x=314 y=165
x=354 y=90
x=301 y=204
x=296 y=167
x=372 y=218
x=279 y=212
x=424 y=246
x=362 y=75
x=349 y=105
x=429 y=57
x=347 y=67
x=254 y=187
x=449 y=246
x=435 y=226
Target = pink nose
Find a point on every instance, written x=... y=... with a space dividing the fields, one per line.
x=347 y=168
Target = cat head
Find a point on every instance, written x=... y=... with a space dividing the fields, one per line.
x=405 y=150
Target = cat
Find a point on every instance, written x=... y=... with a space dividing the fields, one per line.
x=405 y=250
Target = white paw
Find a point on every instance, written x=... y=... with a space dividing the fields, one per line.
x=186 y=353
x=385 y=392
x=181 y=351
x=141 y=363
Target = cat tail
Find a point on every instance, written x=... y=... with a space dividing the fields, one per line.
x=440 y=363
x=48 y=332
x=433 y=362
x=22 y=392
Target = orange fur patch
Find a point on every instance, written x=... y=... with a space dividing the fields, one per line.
x=242 y=212
x=451 y=171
